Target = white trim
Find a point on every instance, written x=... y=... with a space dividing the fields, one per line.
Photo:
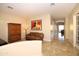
x=74 y=30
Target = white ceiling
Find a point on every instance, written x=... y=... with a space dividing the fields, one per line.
x=59 y=10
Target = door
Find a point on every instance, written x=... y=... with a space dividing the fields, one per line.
x=14 y=32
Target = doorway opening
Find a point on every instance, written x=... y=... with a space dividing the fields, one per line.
x=60 y=31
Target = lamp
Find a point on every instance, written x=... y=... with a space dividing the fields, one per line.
x=51 y=27
x=71 y=27
x=27 y=29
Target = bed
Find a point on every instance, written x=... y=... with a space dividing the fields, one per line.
x=22 y=48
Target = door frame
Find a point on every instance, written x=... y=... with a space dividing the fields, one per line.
x=61 y=23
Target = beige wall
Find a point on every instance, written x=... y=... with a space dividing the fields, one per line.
x=53 y=28
x=66 y=28
x=46 y=25
x=5 y=19
x=70 y=27
x=26 y=25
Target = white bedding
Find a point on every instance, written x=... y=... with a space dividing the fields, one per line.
x=23 y=48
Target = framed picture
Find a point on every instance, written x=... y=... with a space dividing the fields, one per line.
x=36 y=25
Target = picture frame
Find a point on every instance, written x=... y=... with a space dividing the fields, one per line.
x=36 y=25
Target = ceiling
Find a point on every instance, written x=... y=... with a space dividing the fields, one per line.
x=57 y=10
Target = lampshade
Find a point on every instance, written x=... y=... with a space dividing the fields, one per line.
x=71 y=27
x=51 y=27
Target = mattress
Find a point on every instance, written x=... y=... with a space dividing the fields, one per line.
x=23 y=48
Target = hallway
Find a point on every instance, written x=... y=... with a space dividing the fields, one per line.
x=59 y=48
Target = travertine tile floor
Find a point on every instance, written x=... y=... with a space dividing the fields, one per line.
x=59 y=48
